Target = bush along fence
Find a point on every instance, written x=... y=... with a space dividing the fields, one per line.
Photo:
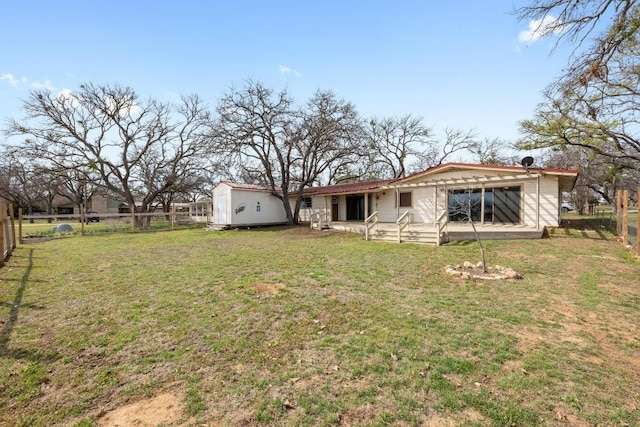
x=8 y=233
x=628 y=221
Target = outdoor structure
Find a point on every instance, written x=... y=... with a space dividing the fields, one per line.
x=434 y=205
x=243 y=205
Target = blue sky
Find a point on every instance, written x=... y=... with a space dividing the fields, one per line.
x=458 y=64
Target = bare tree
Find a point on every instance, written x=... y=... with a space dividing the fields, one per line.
x=455 y=141
x=397 y=141
x=138 y=149
x=601 y=116
x=492 y=152
x=280 y=145
x=605 y=24
x=462 y=204
x=22 y=181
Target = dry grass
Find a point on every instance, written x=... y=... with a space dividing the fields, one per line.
x=293 y=327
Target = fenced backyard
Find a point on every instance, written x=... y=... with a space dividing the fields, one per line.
x=291 y=326
x=48 y=226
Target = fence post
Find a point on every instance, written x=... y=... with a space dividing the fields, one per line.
x=625 y=218
x=13 y=226
x=20 y=225
x=7 y=229
x=82 y=213
x=173 y=216
x=618 y=212
x=638 y=227
x=3 y=211
x=133 y=220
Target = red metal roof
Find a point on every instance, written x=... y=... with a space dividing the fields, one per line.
x=355 y=187
x=453 y=165
x=248 y=186
x=351 y=187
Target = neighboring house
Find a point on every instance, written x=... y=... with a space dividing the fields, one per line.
x=242 y=205
x=96 y=203
x=503 y=201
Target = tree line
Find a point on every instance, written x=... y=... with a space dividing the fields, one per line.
x=147 y=153
x=106 y=139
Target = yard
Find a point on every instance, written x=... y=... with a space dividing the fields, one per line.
x=297 y=327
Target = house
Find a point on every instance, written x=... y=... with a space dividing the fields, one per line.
x=434 y=205
x=243 y=205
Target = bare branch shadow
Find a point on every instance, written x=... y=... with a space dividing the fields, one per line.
x=7 y=328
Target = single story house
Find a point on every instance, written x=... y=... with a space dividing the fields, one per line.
x=434 y=205
x=431 y=206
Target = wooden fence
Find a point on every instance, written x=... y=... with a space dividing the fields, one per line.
x=8 y=232
x=628 y=223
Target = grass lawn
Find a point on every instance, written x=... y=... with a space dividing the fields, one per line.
x=306 y=328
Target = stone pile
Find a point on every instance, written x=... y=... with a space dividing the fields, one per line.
x=469 y=270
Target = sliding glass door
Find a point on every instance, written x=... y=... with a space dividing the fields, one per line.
x=499 y=205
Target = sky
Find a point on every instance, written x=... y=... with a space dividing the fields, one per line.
x=465 y=64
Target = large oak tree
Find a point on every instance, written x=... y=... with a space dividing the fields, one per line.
x=140 y=150
x=274 y=142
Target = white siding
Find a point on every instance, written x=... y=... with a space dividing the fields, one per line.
x=549 y=202
x=247 y=207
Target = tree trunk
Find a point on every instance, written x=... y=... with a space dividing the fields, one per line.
x=475 y=231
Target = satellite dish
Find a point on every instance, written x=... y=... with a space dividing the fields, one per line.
x=526 y=162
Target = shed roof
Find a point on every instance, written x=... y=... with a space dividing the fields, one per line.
x=254 y=187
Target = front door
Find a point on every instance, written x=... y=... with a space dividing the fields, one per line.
x=221 y=210
x=355 y=208
x=334 y=208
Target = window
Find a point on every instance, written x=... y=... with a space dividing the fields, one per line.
x=405 y=200
x=306 y=202
x=499 y=205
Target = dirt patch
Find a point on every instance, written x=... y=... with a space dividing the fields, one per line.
x=475 y=271
x=165 y=408
x=268 y=289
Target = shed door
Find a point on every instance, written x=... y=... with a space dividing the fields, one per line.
x=334 y=208
x=221 y=210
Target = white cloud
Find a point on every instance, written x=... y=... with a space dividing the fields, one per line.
x=66 y=95
x=45 y=85
x=287 y=70
x=540 y=28
x=12 y=80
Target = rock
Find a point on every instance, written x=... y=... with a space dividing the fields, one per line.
x=510 y=273
x=63 y=228
x=468 y=264
x=455 y=273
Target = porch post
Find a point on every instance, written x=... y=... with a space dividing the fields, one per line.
x=435 y=203
x=366 y=205
x=482 y=205
x=538 y=202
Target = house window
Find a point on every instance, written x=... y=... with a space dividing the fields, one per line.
x=499 y=205
x=405 y=199
x=306 y=202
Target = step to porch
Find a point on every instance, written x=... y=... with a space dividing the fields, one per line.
x=411 y=236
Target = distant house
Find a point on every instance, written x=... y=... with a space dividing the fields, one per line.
x=242 y=205
x=503 y=202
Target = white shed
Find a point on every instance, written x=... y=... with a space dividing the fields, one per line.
x=246 y=205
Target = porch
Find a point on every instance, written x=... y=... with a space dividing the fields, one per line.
x=430 y=233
